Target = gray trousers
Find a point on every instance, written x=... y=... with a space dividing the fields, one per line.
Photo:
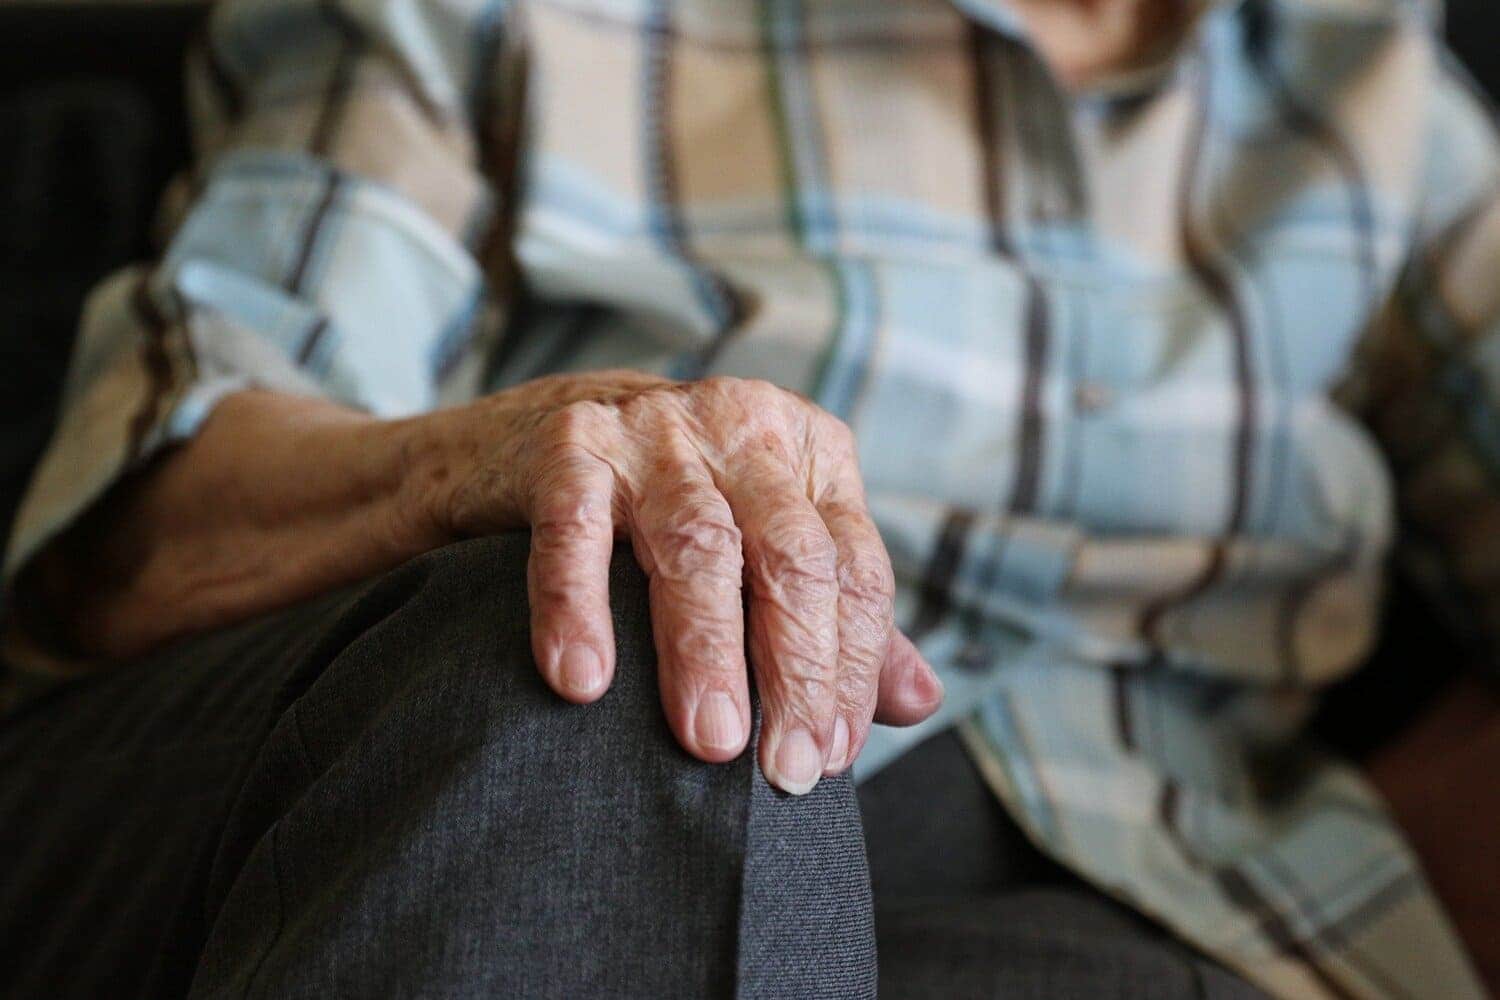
x=373 y=794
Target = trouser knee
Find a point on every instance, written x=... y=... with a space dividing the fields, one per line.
x=421 y=762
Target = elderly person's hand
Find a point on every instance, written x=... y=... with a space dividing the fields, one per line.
x=721 y=486
x=718 y=484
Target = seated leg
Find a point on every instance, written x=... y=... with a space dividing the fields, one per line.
x=967 y=907
x=412 y=812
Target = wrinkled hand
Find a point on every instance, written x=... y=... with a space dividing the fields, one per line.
x=720 y=485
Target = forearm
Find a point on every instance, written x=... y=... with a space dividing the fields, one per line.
x=242 y=296
x=278 y=498
x=719 y=484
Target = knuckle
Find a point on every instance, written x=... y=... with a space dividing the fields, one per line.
x=707 y=647
x=798 y=555
x=571 y=492
x=737 y=387
x=857 y=691
x=834 y=431
x=799 y=544
x=648 y=401
x=569 y=518
x=757 y=390
x=867 y=583
x=560 y=597
x=863 y=643
x=803 y=684
x=699 y=536
x=753 y=398
x=579 y=424
x=720 y=385
x=751 y=416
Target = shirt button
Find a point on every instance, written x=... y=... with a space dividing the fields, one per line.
x=1090 y=397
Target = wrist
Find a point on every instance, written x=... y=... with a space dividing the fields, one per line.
x=431 y=452
x=458 y=468
x=277 y=498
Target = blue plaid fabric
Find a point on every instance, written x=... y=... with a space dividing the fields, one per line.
x=1150 y=379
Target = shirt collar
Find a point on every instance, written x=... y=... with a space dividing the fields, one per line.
x=1000 y=16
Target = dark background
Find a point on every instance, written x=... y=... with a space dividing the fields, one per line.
x=91 y=127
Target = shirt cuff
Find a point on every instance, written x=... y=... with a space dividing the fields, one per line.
x=147 y=371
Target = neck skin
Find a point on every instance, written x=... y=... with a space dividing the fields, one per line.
x=1086 y=41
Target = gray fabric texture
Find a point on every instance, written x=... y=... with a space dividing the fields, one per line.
x=965 y=906
x=374 y=795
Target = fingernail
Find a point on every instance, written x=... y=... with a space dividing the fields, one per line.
x=581 y=669
x=798 y=764
x=840 y=748
x=716 y=724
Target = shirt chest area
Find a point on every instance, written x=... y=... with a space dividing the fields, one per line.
x=1009 y=294
x=768 y=142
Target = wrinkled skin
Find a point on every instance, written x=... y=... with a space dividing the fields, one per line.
x=744 y=506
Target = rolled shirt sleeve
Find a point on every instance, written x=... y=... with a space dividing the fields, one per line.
x=328 y=247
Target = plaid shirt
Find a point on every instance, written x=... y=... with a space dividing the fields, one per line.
x=1146 y=377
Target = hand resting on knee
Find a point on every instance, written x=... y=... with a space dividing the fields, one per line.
x=743 y=503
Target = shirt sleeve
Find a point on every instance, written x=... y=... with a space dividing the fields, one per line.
x=328 y=245
x=1429 y=382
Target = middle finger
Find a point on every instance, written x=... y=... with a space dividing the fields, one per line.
x=791 y=571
